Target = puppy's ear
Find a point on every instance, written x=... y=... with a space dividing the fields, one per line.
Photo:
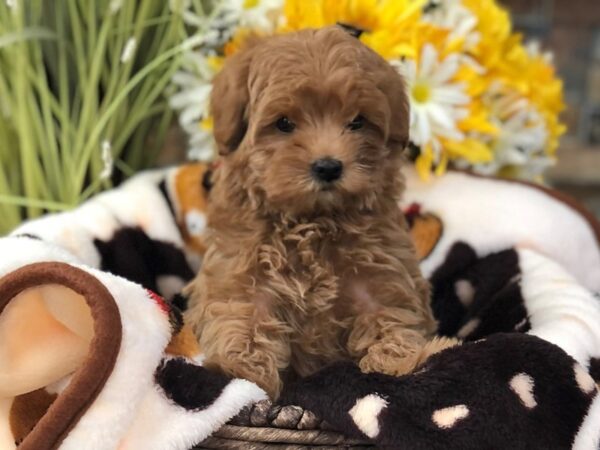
x=392 y=85
x=399 y=106
x=229 y=102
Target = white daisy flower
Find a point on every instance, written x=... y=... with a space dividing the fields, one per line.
x=128 y=49
x=260 y=14
x=192 y=101
x=437 y=103
x=534 y=49
x=454 y=16
x=201 y=146
x=522 y=137
x=114 y=6
x=215 y=28
x=107 y=160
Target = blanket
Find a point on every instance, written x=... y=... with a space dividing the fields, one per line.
x=94 y=353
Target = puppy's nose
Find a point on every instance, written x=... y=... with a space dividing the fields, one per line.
x=327 y=169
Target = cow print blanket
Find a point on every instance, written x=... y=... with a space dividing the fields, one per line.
x=515 y=271
x=508 y=391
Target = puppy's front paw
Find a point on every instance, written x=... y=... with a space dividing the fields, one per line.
x=389 y=358
x=393 y=359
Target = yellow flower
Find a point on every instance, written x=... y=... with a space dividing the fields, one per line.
x=238 y=40
x=215 y=63
x=534 y=78
x=494 y=26
x=425 y=34
x=469 y=149
x=508 y=63
x=388 y=26
x=367 y=15
x=478 y=118
x=424 y=162
x=207 y=124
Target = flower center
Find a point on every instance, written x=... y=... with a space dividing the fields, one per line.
x=250 y=3
x=421 y=92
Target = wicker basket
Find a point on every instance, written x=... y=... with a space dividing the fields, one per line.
x=267 y=427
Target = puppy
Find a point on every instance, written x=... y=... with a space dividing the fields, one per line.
x=309 y=259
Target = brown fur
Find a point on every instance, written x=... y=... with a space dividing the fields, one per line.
x=297 y=275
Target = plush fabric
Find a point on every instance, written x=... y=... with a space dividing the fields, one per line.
x=92 y=358
x=508 y=391
x=117 y=396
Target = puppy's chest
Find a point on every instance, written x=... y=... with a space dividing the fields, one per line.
x=312 y=272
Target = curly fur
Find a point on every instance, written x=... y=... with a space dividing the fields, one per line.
x=297 y=275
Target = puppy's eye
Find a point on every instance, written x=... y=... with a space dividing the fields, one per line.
x=284 y=125
x=357 y=123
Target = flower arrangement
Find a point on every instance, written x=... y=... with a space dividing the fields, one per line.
x=480 y=98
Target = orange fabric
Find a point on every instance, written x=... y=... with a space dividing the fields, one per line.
x=38 y=348
x=190 y=196
x=426 y=231
x=183 y=343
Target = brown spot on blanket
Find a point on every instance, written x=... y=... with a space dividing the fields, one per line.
x=426 y=231
x=27 y=410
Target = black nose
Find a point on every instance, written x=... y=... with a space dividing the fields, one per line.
x=327 y=169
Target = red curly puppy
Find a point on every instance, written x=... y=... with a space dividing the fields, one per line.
x=309 y=260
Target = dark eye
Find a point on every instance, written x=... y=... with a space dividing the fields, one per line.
x=357 y=123
x=284 y=125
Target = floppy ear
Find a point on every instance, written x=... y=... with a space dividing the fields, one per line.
x=393 y=87
x=229 y=102
x=399 y=106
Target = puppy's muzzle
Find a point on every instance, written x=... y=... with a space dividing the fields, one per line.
x=327 y=169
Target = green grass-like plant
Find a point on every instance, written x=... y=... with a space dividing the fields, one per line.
x=83 y=84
